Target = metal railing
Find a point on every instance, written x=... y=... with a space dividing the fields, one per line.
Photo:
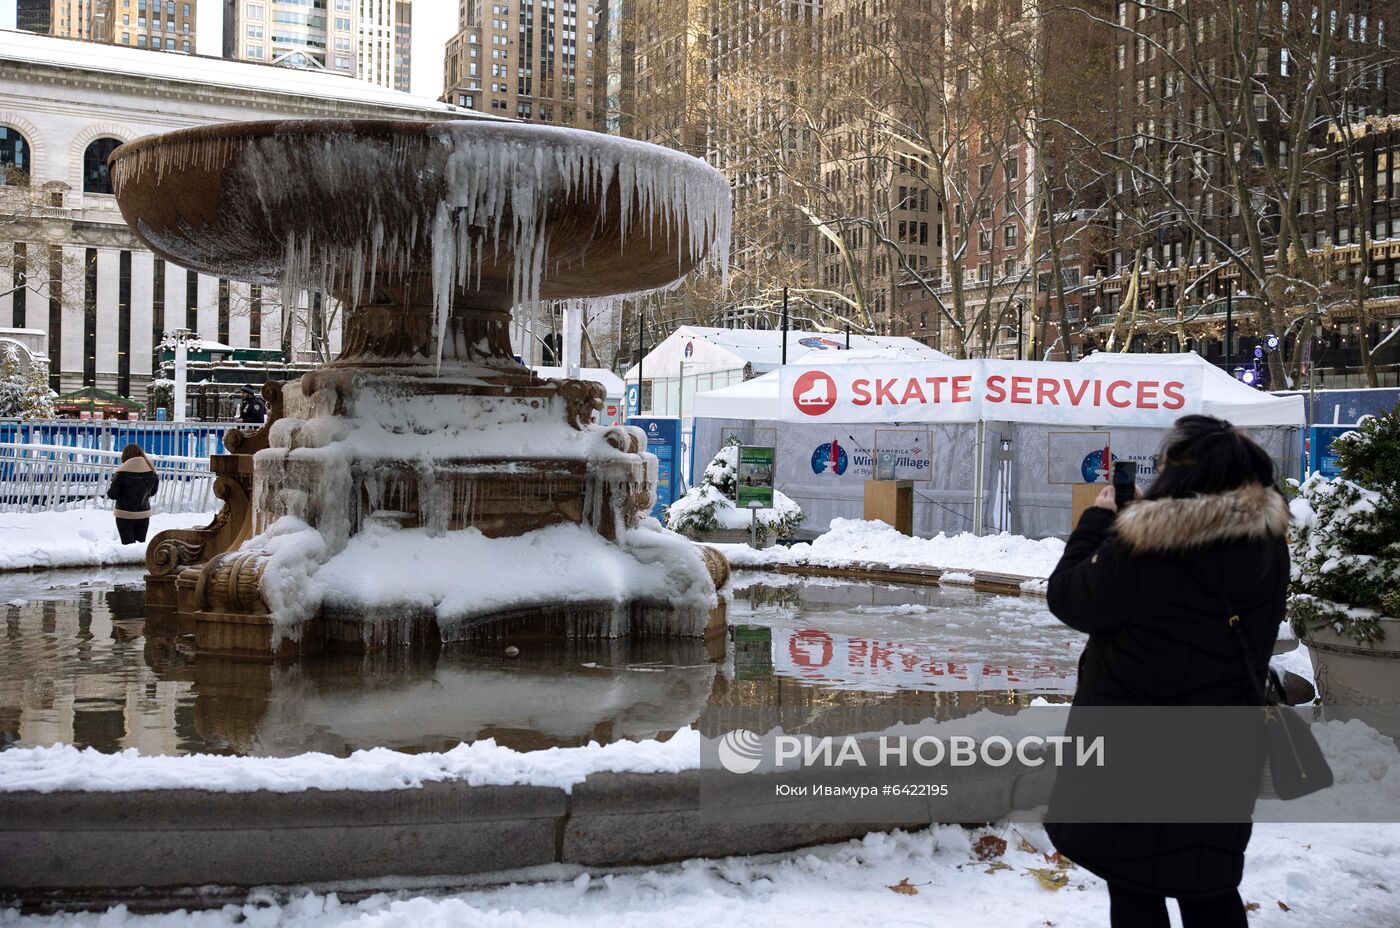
x=166 y=439
x=47 y=478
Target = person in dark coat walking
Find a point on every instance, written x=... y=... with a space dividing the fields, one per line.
x=251 y=409
x=132 y=487
x=1153 y=586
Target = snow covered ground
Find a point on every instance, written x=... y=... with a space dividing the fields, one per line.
x=481 y=763
x=76 y=538
x=855 y=540
x=1313 y=875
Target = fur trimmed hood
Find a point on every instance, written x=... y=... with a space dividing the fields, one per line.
x=1164 y=525
x=137 y=465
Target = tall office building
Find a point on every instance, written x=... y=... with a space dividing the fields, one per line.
x=364 y=39
x=165 y=25
x=532 y=59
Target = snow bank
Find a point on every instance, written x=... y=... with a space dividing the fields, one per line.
x=853 y=540
x=76 y=538
x=482 y=763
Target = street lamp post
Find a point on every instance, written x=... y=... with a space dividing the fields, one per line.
x=1229 y=325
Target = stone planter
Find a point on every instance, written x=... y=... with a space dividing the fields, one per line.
x=731 y=537
x=1351 y=674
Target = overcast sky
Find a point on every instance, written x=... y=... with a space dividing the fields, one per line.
x=434 y=22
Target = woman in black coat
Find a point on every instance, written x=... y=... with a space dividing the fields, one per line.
x=1153 y=587
x=132 y=487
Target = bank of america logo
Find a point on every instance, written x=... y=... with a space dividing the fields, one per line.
x=740 y=751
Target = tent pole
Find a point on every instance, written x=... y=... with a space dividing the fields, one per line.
x=978 y=478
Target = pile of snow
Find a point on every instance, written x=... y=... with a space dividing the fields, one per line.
x=853 y=540
x=77 y=538
x=481 y=763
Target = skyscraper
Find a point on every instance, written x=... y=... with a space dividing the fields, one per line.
x=365 y=39
x=166 y=25
x=533 y=59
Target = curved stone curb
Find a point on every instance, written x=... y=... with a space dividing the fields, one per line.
x=982 y=580
x=60 y=848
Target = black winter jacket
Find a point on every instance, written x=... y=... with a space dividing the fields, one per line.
x=132 y=487
x=1153 y=588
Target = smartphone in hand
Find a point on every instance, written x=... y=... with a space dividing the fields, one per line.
x=1124 y=482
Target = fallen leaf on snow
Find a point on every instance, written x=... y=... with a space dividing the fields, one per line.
x=1251 y=907
x=904 y=888
x=989 y=846
x=998 y=865
x=1284 y=907
x=1050 y=879
x=1059 y=861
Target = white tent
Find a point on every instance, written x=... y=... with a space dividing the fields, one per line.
x=1221 y=394
x=696 y=348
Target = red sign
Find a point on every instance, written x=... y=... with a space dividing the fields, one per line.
x=814 y=393
x=1009 y=391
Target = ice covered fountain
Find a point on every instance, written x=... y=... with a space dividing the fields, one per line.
x=425 y=485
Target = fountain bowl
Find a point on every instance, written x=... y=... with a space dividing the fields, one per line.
x=393 y=211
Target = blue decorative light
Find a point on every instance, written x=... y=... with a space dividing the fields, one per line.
x=1272 y=342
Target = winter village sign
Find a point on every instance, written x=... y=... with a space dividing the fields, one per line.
x=1002 y=391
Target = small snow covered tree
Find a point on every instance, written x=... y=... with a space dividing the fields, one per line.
x=13 y=382
x=38 y=398
x=710 y=506
x=1346 y=547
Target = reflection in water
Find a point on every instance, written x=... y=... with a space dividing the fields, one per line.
x=82 y=666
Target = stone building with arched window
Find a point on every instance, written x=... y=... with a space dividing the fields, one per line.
x=70 y=266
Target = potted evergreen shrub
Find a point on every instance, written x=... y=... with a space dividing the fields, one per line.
x=1344 y=601
x=707 y=512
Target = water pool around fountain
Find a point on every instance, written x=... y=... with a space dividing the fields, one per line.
x=81 y=668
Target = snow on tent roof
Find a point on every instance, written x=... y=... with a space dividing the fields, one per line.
x=76 y=55
x=1222 y=395
x=762 y=349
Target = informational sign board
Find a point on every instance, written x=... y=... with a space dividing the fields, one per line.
x=664 y=441
x=990 y=389
x=903 y=454
x=755 y=476
x=1323 y=459
x=634 y=399
x=1078 y=457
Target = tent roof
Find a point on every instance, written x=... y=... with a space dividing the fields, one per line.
x=1222 y=395
x=95 y=395
x=762 y=349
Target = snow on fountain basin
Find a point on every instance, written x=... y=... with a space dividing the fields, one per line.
x=453 y=575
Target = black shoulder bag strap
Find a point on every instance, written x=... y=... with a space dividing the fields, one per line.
x=1296 y=764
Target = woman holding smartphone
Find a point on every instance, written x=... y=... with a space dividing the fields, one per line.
x=1150 y=584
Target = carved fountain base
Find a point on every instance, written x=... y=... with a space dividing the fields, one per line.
x=357 y=460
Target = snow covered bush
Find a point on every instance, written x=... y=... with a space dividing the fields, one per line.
x=24 y=388
x=709 y=507
x=1346 y=544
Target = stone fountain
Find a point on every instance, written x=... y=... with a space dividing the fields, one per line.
x=426 y=486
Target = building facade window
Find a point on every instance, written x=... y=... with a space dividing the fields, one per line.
x=96 y=178
x=14 y=158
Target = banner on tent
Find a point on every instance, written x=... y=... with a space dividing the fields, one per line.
x=1003 y=391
